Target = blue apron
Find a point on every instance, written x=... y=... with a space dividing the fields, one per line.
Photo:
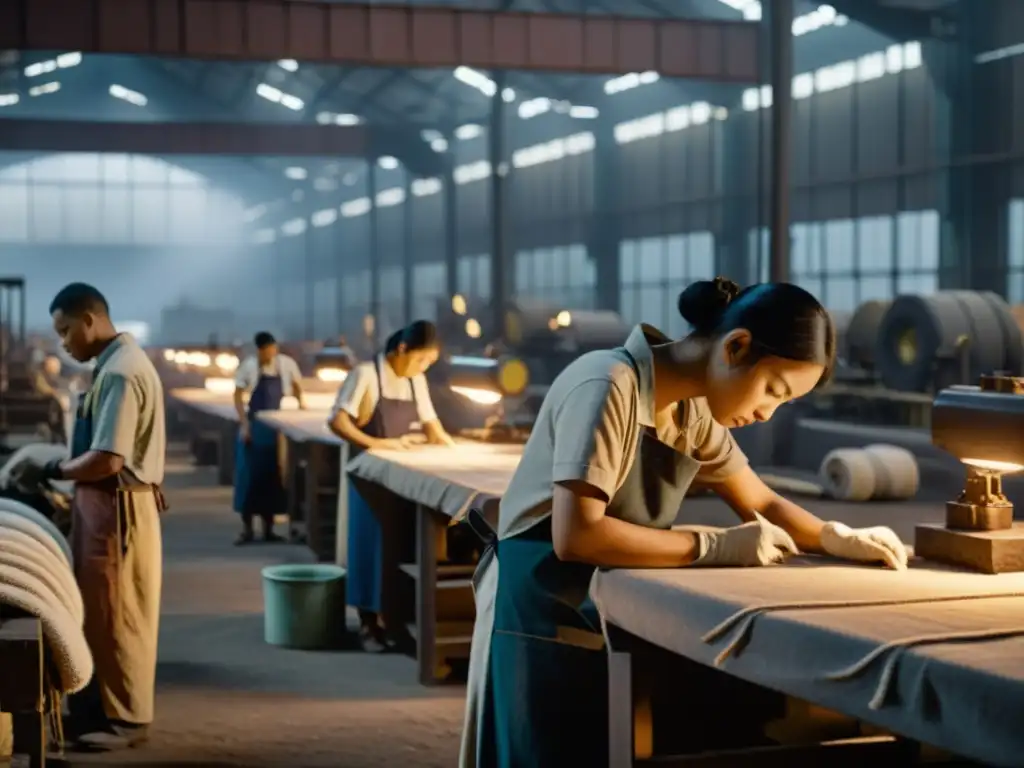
x=546 y=700
x=392 y=418
x=258 y=487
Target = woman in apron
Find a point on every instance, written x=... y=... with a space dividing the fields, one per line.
x=620 y=437
x=380 y=403
x=259 y=492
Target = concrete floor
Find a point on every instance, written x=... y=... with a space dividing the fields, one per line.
x=224 y=698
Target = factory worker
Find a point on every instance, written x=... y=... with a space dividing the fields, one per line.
x=620 y=436
x=380 y=403
x=117 y=464
x=266 y=377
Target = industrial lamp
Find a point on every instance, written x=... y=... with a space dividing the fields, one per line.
x=332 y=364
x=983 y=427
x=486 y=381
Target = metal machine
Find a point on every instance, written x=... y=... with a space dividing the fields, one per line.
x=25 y=412
x=982 y=426
x=331 y=365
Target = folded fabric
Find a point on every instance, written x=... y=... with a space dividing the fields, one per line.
x=64 y=637
x=25 y=511
x=20 y=521
x=21 y=551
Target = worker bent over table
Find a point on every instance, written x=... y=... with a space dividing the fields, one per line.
x=117 y=463
x=621 y=435
x=379 y=404
x=266 y=378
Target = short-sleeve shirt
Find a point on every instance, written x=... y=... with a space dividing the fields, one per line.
x=249 y=372
x=126 y=402
x=590 y=424
x=361 y=391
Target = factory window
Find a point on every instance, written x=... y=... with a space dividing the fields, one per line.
x=355 y=298
x=1015 y=253
x=110 y=199
x=392 y=300
x=474 y=276
x=428 y=287
x=652 y=272
x=562 y=275
x=845 y=262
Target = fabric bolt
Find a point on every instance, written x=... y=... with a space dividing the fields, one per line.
x=23 y=553
x=962 y=696
x=24 y=510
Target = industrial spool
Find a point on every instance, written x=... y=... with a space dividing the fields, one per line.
x=927 y=343
x=857 y=344
x=877 y=472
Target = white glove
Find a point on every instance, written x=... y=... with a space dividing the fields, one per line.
x=866 y=545
x=755 y=543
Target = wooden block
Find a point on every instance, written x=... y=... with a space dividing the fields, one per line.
x=983 y=551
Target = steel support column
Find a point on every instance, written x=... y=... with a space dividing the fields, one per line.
x=780 y=25
x=496 y=152
x=605 y=227
x=405 y=36
x=973 y=120
x=373 y=251
x=451 y=222
x=408 y=250
x=740 y=199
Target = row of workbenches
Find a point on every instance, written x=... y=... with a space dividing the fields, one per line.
x=794 y=665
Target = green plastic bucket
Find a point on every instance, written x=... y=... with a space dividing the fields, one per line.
x=304 y=605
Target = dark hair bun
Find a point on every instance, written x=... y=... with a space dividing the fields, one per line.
x=703 y=303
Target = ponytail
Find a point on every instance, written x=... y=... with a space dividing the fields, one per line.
x=421 y=334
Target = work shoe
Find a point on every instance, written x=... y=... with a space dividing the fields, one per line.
x=113 y=738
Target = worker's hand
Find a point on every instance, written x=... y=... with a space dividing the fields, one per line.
x=28 y=475
x=444 y=439
x=244 y=432
x=866 y=545
x=755 y=543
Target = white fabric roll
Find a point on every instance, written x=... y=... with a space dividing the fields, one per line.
x=11 y=506
x=896 y=474
x=847 y=474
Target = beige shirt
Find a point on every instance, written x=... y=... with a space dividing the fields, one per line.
x=590 y=425
x=249 y=372
x=361 y=391
x=126 y=402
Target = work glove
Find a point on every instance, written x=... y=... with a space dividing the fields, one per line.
x=755 y=543
x=29 y=474
x=866 y=545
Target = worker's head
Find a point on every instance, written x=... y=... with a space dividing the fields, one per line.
x=762 y=346
x=266 y=347
x=413 y=349
x=51 y=365
x=81 y=318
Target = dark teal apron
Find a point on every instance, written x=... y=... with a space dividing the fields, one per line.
x=363 y=586
x=546 y=704
x=258 y=487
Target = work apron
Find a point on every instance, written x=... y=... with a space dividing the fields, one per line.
x=537 y=695
x=117 y=551
x=258 y=487
x=391 y=419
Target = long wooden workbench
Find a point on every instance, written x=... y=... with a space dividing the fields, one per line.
x=964 y=697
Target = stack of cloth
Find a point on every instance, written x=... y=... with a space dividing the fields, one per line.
x=37 y=578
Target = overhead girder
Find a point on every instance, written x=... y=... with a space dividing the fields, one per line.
x=408 y=36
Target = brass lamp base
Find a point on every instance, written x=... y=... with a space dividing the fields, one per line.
x=992 y=551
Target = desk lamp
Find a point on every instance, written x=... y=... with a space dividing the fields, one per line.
x=983 y=427
x=332 y=364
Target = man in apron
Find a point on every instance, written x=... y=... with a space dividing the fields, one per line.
x=259 y=492
x=117 y=462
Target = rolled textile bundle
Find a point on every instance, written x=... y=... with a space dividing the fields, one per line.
x=848 y=474
x=18 y=550
x=14 y=507
x=19 y=521
x=64 y=637
x=896 y=474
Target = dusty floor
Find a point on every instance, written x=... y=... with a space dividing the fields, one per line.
x=224 y=698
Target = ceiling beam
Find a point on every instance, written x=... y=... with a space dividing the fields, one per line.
x=410 y=36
